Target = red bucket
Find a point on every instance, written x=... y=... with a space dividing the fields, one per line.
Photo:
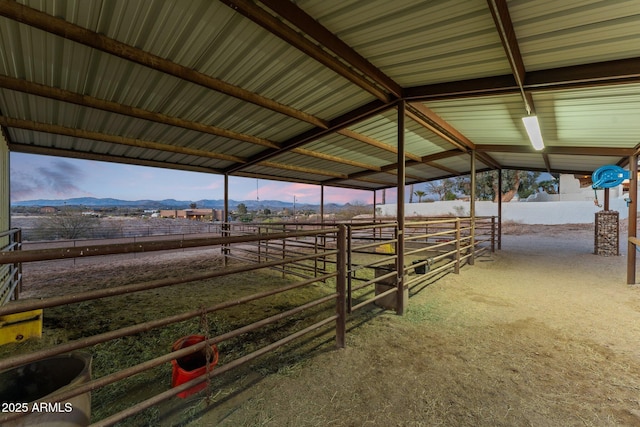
x=193 y=365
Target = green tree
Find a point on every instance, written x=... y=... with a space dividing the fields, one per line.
x=420 y=195
x=241 y=208
x=443 y=188
x=549 y=185
x=522 y=183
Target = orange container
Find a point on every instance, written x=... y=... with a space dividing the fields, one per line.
x=193 y=365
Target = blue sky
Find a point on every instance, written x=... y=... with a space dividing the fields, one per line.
x=46 y=177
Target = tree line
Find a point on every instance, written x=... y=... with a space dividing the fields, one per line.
x=514 y=182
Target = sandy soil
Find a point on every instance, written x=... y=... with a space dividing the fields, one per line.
x=542 y=333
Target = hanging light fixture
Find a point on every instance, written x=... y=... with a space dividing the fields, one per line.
x=533 y=130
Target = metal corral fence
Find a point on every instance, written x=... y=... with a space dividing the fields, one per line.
x=345 y=265
x=10 y=273
x=36 y=229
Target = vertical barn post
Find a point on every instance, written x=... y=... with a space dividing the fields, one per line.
x=348 y=266
x=402 y=293
x=499 y=209
x=322 y=204
x=225 y=221
x=633 y=217
x=457 y=266
x=341 y=268
x=374 y=211
x=472 y=209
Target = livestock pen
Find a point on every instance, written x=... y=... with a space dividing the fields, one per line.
x=269 y=291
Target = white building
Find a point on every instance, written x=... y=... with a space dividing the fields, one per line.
x=574 y=205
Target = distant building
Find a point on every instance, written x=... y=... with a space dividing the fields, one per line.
x=194 y=214
x=48 y=210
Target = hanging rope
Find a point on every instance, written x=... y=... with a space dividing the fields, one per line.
x=595 y=201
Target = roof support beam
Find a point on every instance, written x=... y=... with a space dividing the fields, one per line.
x=60 y=27
x=335 y=159
x=335 y=125
x=375 y=143
x=126 y=110
x=427 y=160
x=298 y=17
x=430 y=120
x=622 y=71
x=113 y=139
x=293 y=168
x=114 y=107
x=504 y=25
x=267 y=21
x=547 y=162
x=607 y=73
x=578 y=151
x=58 y=152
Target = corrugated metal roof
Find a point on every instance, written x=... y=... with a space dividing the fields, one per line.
x=556 y=34
x=255 y=90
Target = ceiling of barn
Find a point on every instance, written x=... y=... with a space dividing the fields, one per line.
x=309 y=90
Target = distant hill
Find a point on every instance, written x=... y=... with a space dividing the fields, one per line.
x=167 y=203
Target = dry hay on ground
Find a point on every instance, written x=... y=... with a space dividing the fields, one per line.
x=540 y=333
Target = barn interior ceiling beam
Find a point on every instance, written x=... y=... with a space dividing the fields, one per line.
x=606 y=73
x=418 y=113
x=336 y=159
x=431 y=121
x=504 y=26
x=375 y=143
x=113 y=139
x=267 y=21
x=339 y=123
x=392 y=168
x=313 y=171
x=547 y=162
x=58 y=152
x=299 y=18
x=49 y=92
x=584 y=151
x=69 y=31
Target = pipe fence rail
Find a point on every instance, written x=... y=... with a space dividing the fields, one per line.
x=344 y=266
x=10 y=273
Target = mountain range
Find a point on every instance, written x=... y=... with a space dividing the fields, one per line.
x=166 y=203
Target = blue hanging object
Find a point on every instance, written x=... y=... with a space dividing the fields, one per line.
x=608 y=176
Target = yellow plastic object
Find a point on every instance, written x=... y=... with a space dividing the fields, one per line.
x=20 y=326
x=386 y=248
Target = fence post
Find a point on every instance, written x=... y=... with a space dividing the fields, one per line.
x=284 y=255
x=349 y=238
x=493 y=234
x=341 y=269
x=225 y=246
x=16 y=241
x=472 y=241
x=402 y=291
x=457 y=267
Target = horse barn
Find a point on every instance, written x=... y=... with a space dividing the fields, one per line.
x=389 y=321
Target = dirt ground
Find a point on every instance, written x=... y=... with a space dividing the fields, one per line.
x=541 y=333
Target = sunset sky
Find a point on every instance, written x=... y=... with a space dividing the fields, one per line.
x=46 y=177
